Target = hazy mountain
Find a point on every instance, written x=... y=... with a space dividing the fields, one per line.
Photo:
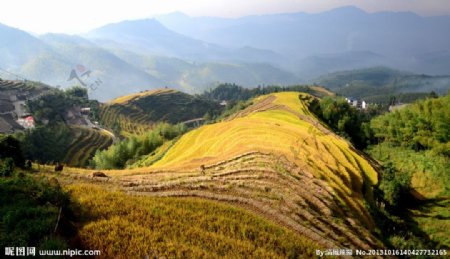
x=194 y=77
x=378 y=84
x=192 y=54
x=313 y=66
x=402 y=36
x=149 y=37
x=123 y=68
x=338 y=30
x=118 y=77
x=18 y=47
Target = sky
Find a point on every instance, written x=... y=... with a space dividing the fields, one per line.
x=63 y=16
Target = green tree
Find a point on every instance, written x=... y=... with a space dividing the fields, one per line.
x=10 y=147
x=77 y=92
x=395 y=187
x=422 y=125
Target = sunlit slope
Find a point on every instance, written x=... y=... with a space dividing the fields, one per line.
x=276 y=158
x=128 y=98
x=137 y=227
x=280 y=124
x=272 y=158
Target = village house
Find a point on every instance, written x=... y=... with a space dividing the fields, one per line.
x=360 y=104
x=26 y=122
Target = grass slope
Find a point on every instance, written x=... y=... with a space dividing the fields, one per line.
x=273 y=158
x=134 y=227
x=136 y=113
x=279 y=123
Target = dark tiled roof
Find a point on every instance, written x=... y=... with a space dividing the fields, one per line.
x=6 y=107
x=7 y=124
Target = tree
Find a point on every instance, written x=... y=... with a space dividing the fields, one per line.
x=77 y=92
x=10 y=147
x=344 y=119
x=395 y=187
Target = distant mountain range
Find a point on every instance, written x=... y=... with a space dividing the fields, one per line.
x=402 y=39
x=197 y=53
x=380 y=84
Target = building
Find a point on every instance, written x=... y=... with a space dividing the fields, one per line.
x=26 y=122
x=85 y=110
x=360 y=104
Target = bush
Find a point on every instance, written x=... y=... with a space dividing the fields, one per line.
x=7 y=167
x=395 y=187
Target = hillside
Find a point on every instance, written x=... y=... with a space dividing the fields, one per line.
x=196 y=53
x=193 y=77
x=85 y=142
x=13 y=98
x=54 y=129
x=125 y=68
x=281 y=163
x=378 y=84
x=115 y=74
x=69 y=145
x=136 y=113
x=415 y=142
x=178 y=228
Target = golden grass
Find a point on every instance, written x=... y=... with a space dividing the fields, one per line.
x=278 y=159
x=288 y=130
x=122 y=226
x=273 y=131
x=127 y=98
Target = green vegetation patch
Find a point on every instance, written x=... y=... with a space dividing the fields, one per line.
x=29 y=209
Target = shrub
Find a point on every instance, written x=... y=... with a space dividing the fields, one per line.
x=7 y=167
x=395 y=187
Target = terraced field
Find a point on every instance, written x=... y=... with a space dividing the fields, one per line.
x=85 y=143
x=23 y=86
x=273 y=158
x=137 y=113
x=147 y=227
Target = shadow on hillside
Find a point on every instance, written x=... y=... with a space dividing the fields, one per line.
x=425 y=208
x=400 y=228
